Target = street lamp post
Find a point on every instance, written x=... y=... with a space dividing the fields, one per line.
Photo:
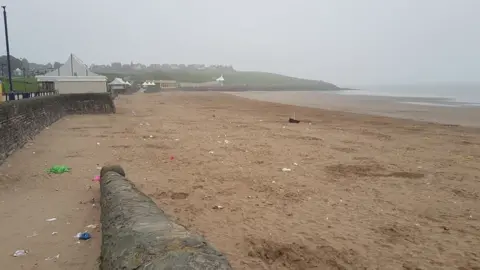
x=9 y=67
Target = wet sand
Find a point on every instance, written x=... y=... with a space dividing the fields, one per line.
x=399 y=107
x=336 y=191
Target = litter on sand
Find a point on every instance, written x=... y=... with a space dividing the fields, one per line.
x=286 y=170
x=51 y=219
x=52 y=258
x=83 y=236
x=19 y=253
x=294 y=121
x=58 y=169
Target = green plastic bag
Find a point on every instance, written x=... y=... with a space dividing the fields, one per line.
x=58 y=169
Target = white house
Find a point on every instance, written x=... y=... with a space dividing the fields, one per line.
x=220 y=80
x=73 y=77
x=18 y=72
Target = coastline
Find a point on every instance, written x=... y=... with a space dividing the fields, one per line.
x=336 y=191
x=425 y=109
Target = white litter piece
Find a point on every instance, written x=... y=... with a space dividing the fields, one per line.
x=296 y=164
x=286 y=170
x=177 y=140
x=19 y=253
x=54 y=233
x=227 y=141
x=218 y=207
x=51 y=219
x=98 y=143
x=92 y=226
x=52 y=258
x=211 y=152
x=151 y=136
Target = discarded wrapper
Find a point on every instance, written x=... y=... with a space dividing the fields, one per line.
x=19 y=253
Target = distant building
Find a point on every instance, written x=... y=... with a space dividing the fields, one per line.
x=220 y=80
x=18 y=72
x=166 y=84
x=116 y=65
x=73 y=77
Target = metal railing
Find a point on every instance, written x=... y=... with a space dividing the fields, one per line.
x=24 y=95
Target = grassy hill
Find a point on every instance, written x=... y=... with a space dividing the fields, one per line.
x=250 y=78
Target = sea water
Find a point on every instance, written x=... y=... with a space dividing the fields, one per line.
x=448 y=94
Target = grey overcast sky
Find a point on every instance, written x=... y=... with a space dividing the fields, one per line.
x=340 y=41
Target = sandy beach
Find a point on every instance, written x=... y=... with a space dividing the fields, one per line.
x=337 y=191
x=415 y=108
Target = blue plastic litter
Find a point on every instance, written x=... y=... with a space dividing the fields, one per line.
x=84 y=236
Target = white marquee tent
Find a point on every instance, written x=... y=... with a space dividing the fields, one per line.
x=118 y=84
x=148 y=83
x=74 y=77
x=118 y=81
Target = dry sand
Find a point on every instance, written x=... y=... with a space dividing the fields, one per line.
x=364 y=192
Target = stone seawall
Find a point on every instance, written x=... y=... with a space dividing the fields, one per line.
x=21 y=120
x=136 y=234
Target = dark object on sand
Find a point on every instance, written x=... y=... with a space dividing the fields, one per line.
x=291 y=120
